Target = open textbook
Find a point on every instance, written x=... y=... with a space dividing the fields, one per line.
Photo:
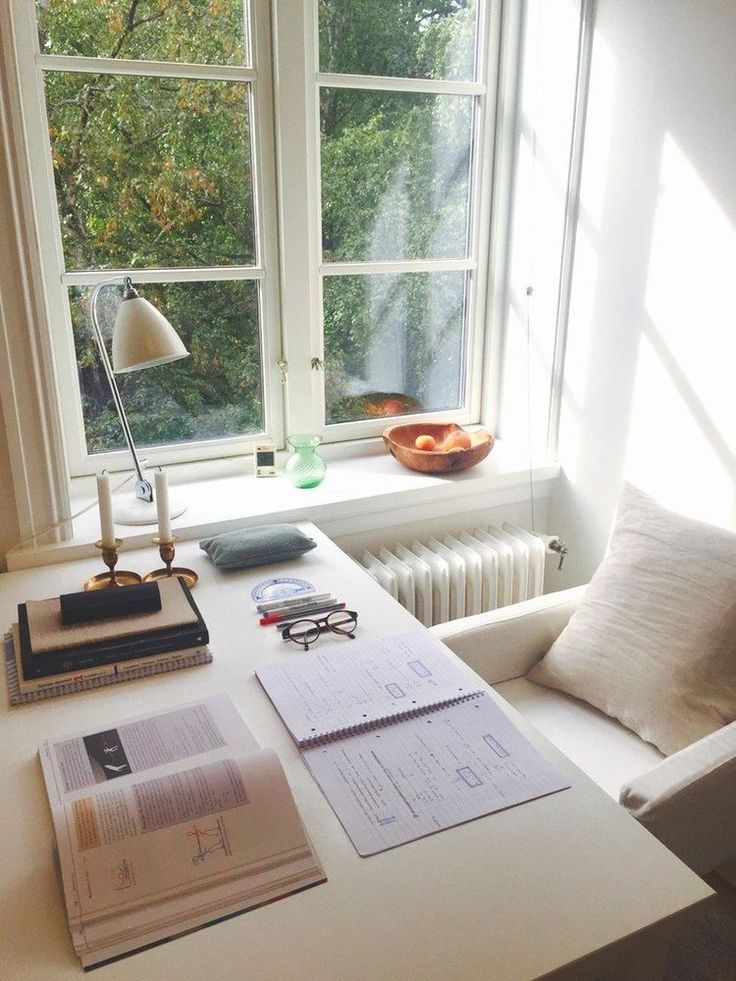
x=403 y=739
x=167 y=822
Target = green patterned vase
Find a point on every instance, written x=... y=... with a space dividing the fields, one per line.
x=305 y=467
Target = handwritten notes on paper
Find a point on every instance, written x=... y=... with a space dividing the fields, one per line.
x=374 y=681
x=420 y=775
x=403 y=739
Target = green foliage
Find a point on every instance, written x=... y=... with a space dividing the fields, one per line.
x=215 y=392
x=401 y=38
x=199 y=31
x=150 y=171
x=408 y=326
x=395 y=185
x=156 y=172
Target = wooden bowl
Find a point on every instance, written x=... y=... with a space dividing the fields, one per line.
x=399 y=442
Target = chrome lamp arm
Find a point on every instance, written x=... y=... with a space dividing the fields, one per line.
x=143 y=488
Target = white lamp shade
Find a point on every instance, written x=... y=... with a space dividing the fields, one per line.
x=143 y=337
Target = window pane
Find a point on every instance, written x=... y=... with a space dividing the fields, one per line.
x=395 y=175
x=411 y=38
x=151 y=171
x=216 y=392
x=393 y=344
x=199 y=31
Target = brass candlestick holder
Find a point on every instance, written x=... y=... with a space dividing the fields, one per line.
x=114 y=577
x=167 y=552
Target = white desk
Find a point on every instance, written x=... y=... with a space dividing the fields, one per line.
x=510 y=896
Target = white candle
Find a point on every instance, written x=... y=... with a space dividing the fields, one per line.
x=162 y=506
x=104 y=497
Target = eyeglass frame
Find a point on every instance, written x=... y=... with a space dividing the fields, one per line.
x=323 y=626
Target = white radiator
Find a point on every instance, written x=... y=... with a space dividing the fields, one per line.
x=466 y=573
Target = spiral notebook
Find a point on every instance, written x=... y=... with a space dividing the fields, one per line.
x=403 y=739
x=329 y=694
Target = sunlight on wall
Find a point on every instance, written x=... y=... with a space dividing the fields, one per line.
x=682 y=442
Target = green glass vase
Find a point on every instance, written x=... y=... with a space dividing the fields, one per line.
x=305 y=467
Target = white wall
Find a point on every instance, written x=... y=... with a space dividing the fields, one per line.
x=650 y=376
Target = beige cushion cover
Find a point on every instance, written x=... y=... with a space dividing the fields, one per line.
x=653 y=641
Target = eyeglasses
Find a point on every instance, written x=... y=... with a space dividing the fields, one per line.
x=306 y=632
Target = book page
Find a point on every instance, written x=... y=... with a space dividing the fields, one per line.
x=157 y=837
x=168 y=821
x=431 y=772
x=211 y=725
x=363 y=682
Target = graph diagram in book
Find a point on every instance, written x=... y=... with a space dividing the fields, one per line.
x=168 y=822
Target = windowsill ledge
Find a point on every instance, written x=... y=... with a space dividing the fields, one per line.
x=358 y=494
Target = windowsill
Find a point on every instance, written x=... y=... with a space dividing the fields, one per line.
x=358 y=493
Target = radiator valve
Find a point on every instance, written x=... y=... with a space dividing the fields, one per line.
x=556 y=544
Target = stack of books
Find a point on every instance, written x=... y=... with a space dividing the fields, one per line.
x=61 y=644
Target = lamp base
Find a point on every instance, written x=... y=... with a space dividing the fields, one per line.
x=134 y=511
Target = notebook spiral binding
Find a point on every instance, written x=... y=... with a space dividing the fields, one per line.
x=356 y=730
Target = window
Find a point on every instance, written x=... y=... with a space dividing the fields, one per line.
x=324 y=263
x=401 y=117
x=153 y=128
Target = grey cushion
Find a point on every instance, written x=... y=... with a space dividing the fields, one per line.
x=256 y=546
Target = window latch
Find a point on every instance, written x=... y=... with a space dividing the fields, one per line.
x=317 y=364
x=283 y=367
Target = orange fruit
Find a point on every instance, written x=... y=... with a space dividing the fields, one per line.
x=425 y=442
x=390 y=407
x=457 y=440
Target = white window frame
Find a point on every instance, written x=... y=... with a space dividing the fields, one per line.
x=303 y=267
x=285 y=154
x=32 y=64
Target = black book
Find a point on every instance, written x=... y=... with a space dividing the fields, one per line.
x=102 y=604
x=109 y=651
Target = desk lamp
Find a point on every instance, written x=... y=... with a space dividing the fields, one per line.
x=142 y=337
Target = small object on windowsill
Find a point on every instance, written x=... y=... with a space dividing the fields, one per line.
x=106 y=580
x=454 y=448
x=305 y=468
x=167 y=552
x=264 y=458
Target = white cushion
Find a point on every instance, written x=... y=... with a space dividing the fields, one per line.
x=607 y=752
x=653 y=640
